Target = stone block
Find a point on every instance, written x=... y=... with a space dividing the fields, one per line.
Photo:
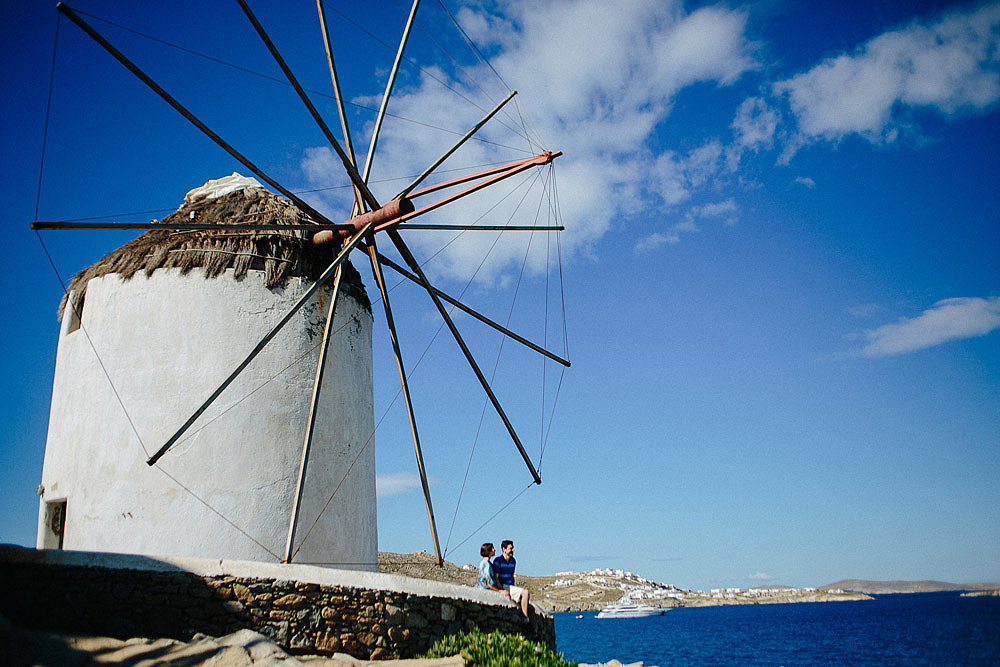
x=415 y=620
x=393 y=615
x=290 y=600
x=328 y=642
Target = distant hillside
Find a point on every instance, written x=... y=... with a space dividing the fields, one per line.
x=592 y=591
x=883 y=587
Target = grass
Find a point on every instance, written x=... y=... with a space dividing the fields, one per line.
x=495 y=649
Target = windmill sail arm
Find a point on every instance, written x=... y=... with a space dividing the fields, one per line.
x=180 y=108
x=496 y=175
x=537 y=160
x=374 y=256
x=348 y=163
x=479 y=316
x=348 y=143
x=458 y=144
x=411 y=261
x=313 y=411
x=182 y=226
x=388 y=90
x=263 y=342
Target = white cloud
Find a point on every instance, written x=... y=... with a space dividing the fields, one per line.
x=947 y=320
x=759 y=576
x=949 y=66
x=656 y=240
x=597 y=94
x=755 y=124
x=396 y=484
x=724 y=210
x=805 y=181
x=865 y=310
x=485 y=29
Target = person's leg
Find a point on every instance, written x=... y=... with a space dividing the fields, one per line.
x=526 y=604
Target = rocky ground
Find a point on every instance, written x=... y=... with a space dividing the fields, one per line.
x=22 y=648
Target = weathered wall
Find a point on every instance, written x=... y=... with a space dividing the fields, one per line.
x=304 y=609
x=166 y=342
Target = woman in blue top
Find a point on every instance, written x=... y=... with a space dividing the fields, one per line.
x=487 y=578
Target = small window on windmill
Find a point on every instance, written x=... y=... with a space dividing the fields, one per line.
x=55 y=524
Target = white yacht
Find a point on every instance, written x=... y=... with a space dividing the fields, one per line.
x=626 y=608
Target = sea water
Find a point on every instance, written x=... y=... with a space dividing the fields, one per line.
x=910 y=629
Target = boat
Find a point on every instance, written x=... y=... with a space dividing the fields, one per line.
x=629 y=609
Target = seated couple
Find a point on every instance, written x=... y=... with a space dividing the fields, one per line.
x=498 y=575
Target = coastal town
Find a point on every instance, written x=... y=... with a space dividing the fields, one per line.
x=590 y=591
x=594 y=590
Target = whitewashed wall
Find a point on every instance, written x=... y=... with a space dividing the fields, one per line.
x=166 y=342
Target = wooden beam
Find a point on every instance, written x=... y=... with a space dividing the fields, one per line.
x=313 y=410
x=373 y=255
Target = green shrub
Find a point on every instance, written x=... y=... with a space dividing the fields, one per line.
x=496 y=650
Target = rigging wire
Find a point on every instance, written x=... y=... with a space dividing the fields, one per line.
x=545 y=331
x=283 y=82
x=48 y=109
x=142 y=445
x=495 y=515
x=413 y=63
x=562 y=302
x=473 y=46
x=496 y=365
x=412 y=372
x=128 y=416
x=298 y=192
x=483 y=59
x=501 y=90
x=78 y=315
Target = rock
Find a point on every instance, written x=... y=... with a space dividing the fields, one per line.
x=393 y=615
x=290 y=600
x=415 y=620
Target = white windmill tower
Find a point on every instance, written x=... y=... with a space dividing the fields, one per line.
x=241 y=485
x=165 y=317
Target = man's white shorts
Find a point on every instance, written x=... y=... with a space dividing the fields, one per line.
x=515 y=592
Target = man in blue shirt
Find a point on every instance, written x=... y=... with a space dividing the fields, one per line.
x=504 y=566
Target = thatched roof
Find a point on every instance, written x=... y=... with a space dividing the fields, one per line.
x=280 y=254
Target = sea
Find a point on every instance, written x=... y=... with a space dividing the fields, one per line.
x=906 y=629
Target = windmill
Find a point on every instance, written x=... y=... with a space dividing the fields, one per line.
x=369 y=222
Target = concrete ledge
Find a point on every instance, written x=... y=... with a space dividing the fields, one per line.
x=207 y=567
x=304 y=609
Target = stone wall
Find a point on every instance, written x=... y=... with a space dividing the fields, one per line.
x=304 y=609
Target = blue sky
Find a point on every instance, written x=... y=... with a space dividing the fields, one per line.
x=780 y=267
